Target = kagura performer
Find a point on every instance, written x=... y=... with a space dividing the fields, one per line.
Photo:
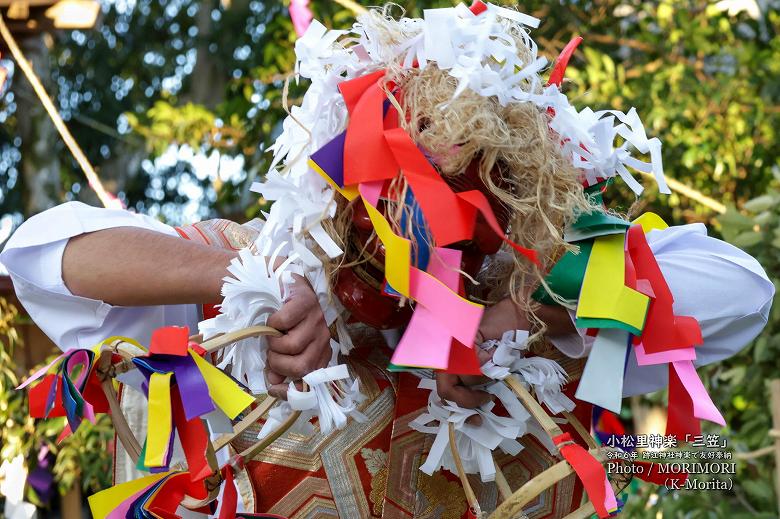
x=438 y=187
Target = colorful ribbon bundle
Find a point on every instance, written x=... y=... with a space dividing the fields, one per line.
x=155 y=496
x=183 y=390
x=69 y=386
x=625 y=302
x=373 y=136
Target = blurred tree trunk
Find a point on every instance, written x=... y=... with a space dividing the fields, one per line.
x=40 y=166
x=71 y=503
x=208 y=85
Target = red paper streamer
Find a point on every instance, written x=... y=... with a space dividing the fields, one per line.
x=588 y=470
x=168 y=498
x=680 y=421
x=170 y=340
x=194 y=439
x=463 y=360
x=663 y=331
x=451 y=216
x=229 y=495
x=367 y=157
x=39 y=393
x=562 y=61
x=478 y=7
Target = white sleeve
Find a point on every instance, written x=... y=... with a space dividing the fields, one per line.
x=33 y=257
x=724 y=288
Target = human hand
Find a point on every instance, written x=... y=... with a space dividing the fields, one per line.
x=504 y=316
x=305 y=345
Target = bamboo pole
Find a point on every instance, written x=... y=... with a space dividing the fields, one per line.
x=471 y=498
x=106 y=198
x=689 y=192
x=774 y=393
x=353 y=6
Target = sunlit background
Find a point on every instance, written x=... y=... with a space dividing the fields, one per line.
x=176 y=101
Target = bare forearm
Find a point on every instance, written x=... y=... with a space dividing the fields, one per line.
x=128 y=266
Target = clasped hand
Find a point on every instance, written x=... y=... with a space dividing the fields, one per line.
x=503 y=316
x=305 y=344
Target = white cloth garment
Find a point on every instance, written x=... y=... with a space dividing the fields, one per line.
x=33 y=257
x=724 y=288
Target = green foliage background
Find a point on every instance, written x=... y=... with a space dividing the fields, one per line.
x=83 y=458
x=704 y=76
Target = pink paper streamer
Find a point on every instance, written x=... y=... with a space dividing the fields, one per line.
x=424 y=328
x=459 y=316
x=301 y=16
x=444 y=265
x=89 y=412
x=610 y=502
x=41 y=372
x=370 y=191
x=703 y=408
x=425 y=344
x=663 y=357
x=80 y=357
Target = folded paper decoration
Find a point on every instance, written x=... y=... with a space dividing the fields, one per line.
x=625 y=296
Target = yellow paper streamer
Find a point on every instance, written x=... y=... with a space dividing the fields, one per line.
x=650 y=222
x=224 y=391
x=397 y=251
x=604 y=294
x=349 y=192
x=104 y=502
x=160 y=418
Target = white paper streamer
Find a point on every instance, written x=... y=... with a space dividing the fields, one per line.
x=251 y=295
x=507 y=351
x=474 y=443
x=13 y=476
x=545 y=376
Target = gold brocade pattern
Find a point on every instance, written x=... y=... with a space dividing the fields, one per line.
x=442 y=496
x=376 y=463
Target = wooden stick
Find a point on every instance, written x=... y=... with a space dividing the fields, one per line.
x=582 y=512
x=220 y=342
x=258 y=447
x=774 y=393
x=471 y=498
x=212 y=484
x=504 y=490
x=353 y=6
x=123 y=431
x=245 y=423
x=513 y=506
x=533 y=406
x=691 y=193
x=758 y=453
x=107 y=199
x=580 y=428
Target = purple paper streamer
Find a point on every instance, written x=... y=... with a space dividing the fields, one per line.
x=330 y=158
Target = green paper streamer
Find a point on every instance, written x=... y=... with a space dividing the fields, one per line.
x=565 y=278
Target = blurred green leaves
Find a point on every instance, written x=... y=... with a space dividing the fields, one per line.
x=85 y=457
